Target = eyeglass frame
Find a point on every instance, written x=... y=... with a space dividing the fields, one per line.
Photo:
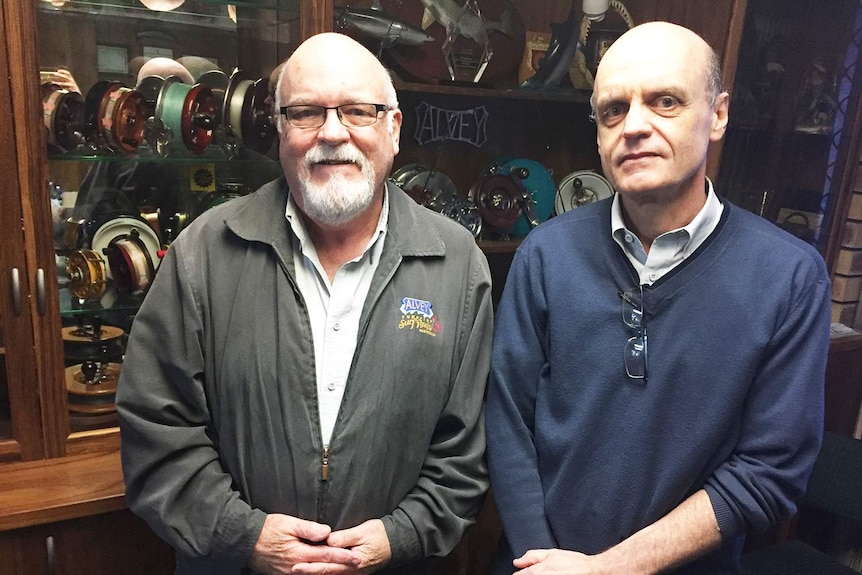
x=634 y=317
x=283 y=110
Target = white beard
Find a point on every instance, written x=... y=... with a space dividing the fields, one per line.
x=339 y=200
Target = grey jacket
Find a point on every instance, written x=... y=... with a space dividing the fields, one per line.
x=218 y=405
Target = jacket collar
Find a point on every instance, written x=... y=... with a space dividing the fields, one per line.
x=260 y=218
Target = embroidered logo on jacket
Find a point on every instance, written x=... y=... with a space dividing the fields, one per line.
x=418 y=314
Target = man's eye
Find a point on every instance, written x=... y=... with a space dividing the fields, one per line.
x=357 y=111
x=667 y=102
x=613 y=111
x=304 y=113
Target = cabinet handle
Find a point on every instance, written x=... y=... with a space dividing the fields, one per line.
x=40 y=291
x=16 y=291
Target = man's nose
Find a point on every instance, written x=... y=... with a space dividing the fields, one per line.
x=332 y=128
x=638 y=121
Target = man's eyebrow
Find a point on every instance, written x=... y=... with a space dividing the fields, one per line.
x=611 y=95
x=676 y=89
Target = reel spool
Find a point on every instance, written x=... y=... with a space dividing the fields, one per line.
x=149 y=88
x=63 y=114
x=258 y=130
x=130 y=263
x=218 y=82
x=538 y=204
x=403 y=174
x=92 y=105
x=499 y=200
x=187 y=114
x=247 y=116
x=581 y=188
x=434 y=189
x=87 y=275
x=132 y=248
x=122 y=116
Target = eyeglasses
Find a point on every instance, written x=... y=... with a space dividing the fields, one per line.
x=350 y=115
x=635 y=351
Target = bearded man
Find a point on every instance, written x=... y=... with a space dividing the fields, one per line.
x=302 y=389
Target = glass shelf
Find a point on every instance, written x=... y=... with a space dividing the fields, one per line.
x=207 y=13
x=145 y=154
x=112 y=303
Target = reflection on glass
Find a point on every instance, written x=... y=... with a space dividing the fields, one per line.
x=152 y=117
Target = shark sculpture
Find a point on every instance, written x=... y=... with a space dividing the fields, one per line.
x=463 y=22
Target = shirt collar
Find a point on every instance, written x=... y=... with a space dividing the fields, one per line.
x=697 y=230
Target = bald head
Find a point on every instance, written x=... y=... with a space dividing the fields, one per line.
x=165 y=67
x=654 y=41
x=329 y=57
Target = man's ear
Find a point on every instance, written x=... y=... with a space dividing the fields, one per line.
x=720 y=109
x=396 y=120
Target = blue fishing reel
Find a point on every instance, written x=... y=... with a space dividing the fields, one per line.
x=537 y=180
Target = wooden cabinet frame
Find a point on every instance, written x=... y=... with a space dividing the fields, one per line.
x=34 y=351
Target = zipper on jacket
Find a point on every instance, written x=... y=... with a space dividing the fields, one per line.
x=324 y=467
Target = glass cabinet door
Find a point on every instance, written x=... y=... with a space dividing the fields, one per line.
x=791 y=112
x=154 y=111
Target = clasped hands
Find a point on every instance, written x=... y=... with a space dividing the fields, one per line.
x=288 y=545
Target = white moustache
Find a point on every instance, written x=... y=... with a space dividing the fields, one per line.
x=343 y=153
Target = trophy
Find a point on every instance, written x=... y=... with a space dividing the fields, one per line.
x=465 y=59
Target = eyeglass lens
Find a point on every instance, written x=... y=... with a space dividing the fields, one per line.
x=635 y=351
x=351 y=115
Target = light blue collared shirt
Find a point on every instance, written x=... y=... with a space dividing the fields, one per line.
x=333 y=308
x=670 y=248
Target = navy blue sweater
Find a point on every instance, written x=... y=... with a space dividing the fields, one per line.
x=581 y=456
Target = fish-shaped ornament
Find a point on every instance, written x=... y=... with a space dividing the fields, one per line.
x=465 y=21
x=375 y=23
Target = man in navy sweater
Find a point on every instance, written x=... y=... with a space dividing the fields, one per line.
x=657 y=375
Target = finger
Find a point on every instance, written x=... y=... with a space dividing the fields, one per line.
x=322 y=569
x=531 y=557
x=345 y=538
x=311 y=530
x=326 y=554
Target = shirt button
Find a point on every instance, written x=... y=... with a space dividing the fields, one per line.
x=628 y=238
x=336 y=326
x=652 y=277
x=331 y=386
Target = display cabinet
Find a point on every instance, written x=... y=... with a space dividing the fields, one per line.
x=99 y=189
x=101 y=172
x=791 y=142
